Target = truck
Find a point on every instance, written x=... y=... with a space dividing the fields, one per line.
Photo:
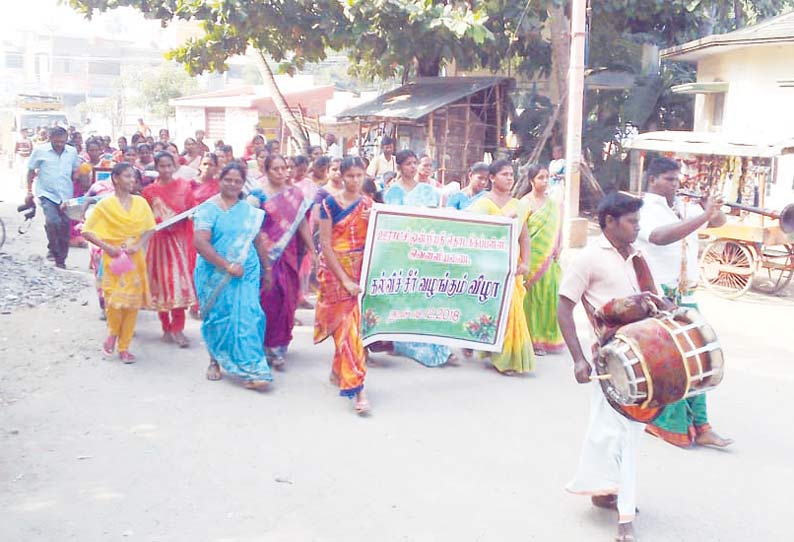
x=30 y=112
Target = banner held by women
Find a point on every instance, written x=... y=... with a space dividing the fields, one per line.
x=437 y=276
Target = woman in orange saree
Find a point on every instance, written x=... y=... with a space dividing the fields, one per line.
x=170 y=256
x=343 y=231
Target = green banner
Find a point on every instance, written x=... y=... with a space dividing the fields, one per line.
x=437 y=276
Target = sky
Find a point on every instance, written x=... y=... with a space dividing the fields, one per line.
x=50 y=15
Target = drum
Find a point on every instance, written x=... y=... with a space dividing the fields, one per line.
x=659 y=360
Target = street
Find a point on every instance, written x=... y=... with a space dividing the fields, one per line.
x=95 y=450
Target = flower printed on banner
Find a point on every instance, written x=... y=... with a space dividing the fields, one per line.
x=370 y=320
x=482 y=328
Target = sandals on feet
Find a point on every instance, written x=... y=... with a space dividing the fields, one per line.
x=127 y=357
x=256 y=385
x=214 y=371
x=278 y=363
x=362 y=407
x=109 y=345
x=180 y=340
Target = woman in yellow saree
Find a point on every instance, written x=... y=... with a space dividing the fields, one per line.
x=543 y=280
x=120 y=225
x=516 y=356
x=343 y=231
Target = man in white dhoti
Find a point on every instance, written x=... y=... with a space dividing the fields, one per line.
x=607 y=269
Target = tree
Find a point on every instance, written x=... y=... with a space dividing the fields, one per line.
x=157 y=86
x=382 y=37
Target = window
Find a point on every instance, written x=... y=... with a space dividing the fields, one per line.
x=15 y=60
x=104 y=68
x=215 y=119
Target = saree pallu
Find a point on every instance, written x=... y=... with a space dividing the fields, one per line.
x=337 y=313
x=115 y=225
x=233 y=323
x=516 y=355
x=422 y=195
x=171 y=256
x=682 y=421
x=284 y=214
x=202 y=191
x=540 y=304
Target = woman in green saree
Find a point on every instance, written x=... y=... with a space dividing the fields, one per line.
x=543 y=280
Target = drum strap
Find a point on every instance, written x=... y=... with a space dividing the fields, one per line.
x=604 y=331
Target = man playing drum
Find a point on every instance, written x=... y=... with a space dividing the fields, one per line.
x=668 y=238
x=607 y=269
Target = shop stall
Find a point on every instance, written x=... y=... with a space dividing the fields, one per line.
x=755 y=248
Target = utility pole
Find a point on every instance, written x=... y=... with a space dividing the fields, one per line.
x=575 y=228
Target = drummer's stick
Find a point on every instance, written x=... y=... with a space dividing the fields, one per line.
x=600 y=377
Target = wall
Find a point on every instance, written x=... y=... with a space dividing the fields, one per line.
x=240 y=125
x=755 y=106
x=188 y=120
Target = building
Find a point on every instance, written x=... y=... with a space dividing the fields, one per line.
x=234 y=114
x=743 y=96
x=75 y=67
x=745 y=79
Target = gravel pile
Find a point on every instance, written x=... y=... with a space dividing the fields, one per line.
x=32 y=282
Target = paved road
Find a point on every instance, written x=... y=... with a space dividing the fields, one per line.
x=92 y=450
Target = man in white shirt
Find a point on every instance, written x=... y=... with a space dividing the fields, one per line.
x=669 y=239
x=332 y=148
x=384 y=162
x=608 y=269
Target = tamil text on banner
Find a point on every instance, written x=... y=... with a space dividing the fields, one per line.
x=437 y=276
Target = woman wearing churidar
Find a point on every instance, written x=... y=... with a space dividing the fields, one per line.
x=122 y=223
x=230 y=245
x=405 y=190
x=516 y=356
x=170 y=256
x=343 y=231
x=286 y=230
x=543 y=224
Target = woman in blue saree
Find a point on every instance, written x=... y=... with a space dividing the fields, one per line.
x=405 y=190
x=227 y=278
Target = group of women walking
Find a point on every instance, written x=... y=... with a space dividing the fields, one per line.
x=240 y=258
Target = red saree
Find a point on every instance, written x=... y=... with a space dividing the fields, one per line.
x=170 y=256
x=337 y=313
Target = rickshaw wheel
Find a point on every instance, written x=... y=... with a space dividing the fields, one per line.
x=726 y=268
x=777 y=269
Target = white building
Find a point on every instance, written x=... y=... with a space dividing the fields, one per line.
x=743 y=103
x=233 y=114
x=745 y=80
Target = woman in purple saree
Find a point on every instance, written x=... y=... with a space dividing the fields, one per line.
x=287 y=231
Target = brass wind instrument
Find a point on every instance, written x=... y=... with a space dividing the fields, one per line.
x=786 y=216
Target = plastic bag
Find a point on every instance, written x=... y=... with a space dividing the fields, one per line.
x=121 y=264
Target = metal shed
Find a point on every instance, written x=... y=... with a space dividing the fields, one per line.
x=456 y=120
